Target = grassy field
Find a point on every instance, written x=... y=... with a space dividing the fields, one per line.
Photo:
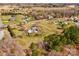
x=46 y=27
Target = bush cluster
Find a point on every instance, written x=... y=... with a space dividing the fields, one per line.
x=69 y=36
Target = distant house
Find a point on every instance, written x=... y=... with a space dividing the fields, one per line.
x=76 y=18
x=33 y=29
x=72 y=18
x=30 y=31
x=26 y=19
x=50 y=17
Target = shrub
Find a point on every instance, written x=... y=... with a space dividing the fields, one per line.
x=72 y=35
x=53 y=41
x=69 y=36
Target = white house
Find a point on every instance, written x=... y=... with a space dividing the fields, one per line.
x=50 y=17
x=33 y=30
x=30 y=31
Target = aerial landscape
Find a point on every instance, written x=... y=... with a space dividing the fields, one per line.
x=39 y=29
